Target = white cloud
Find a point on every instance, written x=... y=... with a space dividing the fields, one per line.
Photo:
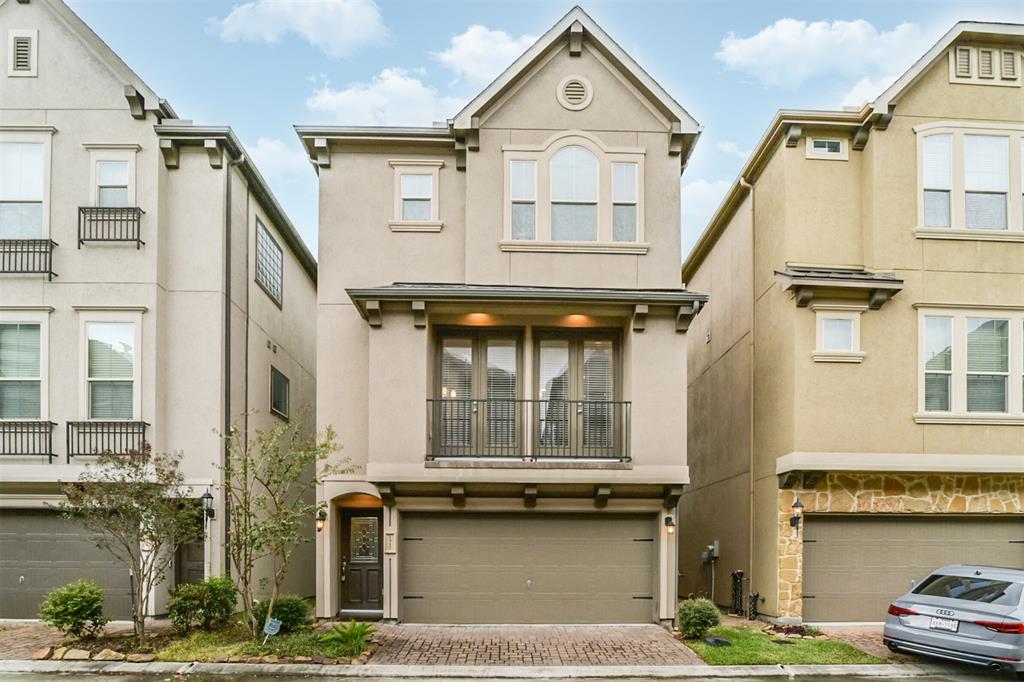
x=277 y=159
x=700 y=198
x=480 y=54
x=791 y=51
x=337 y=27
x=867 y=89
x=394 y=97
x=733 y=149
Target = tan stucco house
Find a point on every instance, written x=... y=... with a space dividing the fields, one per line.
x=502 y=348
x=151 y=291
x=863 y=352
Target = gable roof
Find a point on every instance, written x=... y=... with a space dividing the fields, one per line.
x=107 y=56
x=577 y=19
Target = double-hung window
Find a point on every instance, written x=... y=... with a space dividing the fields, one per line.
x=279 y=393
x=22 y=181
x=624 y=201
x=417 y=195
x=972 y=364
x=523 y=192
x=937 y=179
x=21 y=369
x=574 y=190
x=111 y=371
x=112 y=183
x=986 y=181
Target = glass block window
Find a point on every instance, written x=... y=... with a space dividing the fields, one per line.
x=269 y=264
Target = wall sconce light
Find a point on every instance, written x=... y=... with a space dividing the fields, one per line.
x=670 y=525
x=321 y=520
x=798 y=511
x=208 y=511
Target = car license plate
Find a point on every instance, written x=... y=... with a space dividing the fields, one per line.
x=947 y=624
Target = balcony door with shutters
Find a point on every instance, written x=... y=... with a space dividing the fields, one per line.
x=477 y=411
x=577 y=414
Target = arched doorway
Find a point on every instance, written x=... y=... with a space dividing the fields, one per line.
x=360 y=557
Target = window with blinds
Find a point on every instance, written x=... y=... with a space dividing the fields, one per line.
x=20 y=377
x=269 y=264
x=937 y=178
x=523 y=195
x=417 y=193
x=111 y=370
x=938 y=363
x=456 y=391
x=986 y=181
x=988 y=364
x=553 y=389
x=574 y=195
x=502 y=392
x=624 y=202
x=21 y=190
x=598 y=392
x=112 y=183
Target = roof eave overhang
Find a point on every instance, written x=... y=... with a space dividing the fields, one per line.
x=806 y=289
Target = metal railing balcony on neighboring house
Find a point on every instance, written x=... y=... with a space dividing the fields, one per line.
x=110 y=224
x=27 y=256
x=90 y=438
x=528 y=429
x=33 y=438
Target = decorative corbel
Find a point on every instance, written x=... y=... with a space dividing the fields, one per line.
x=601 y=495
x=878 y=298
x=882 y=122
x=793 y=134
x=789 y=480
x=530 y=496
x=214 y=153
x=387 y=494
x=136 y=102
x=639 y=317
x=374 y=316
x=322 y=149
x=676 y=139
x=169 y=150
x=459 y=495
x=419 y=314
x=803 y=296
x=473 y=139
x=685 y=315
x=860 y=138
x=460 y=153
x=576 y=39
x=672 y=495
x=812 y=478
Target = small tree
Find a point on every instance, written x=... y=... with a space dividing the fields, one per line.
x=271 y=478
x=136 y=507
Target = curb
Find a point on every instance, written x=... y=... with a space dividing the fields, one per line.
x=479 y=672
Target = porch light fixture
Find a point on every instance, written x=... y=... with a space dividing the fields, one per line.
x=321 y=520
x=798 y=511
x=670 y=525
x=208 y=511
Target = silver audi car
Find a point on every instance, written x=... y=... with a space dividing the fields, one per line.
x=970 y=614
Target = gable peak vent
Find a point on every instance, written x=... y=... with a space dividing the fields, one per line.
x=575 y=92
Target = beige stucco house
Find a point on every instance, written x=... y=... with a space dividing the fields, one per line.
x=151 y=290
x=502 y=348
x=863 y=352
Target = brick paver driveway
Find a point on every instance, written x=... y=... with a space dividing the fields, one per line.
x=529 y=645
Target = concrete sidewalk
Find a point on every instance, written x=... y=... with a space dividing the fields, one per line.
x=398 y=672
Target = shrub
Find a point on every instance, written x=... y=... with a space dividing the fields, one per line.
x=697 y=616
x=75 y=609
x=204 y=605
x=292 y=611
x=350 y=638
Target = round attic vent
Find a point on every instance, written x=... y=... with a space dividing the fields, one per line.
x=575 y=93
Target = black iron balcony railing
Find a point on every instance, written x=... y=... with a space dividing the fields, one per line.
x=529 y=429
x=29 y=438
x=110 y=224
x=96 y=437
x=27 y=256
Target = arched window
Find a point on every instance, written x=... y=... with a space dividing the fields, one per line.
x=574 y=195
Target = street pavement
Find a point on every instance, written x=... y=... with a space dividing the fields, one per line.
x=981 y=676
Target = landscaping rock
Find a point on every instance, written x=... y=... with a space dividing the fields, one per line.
x=270 y=659
x=109 y=655
x=42 y=654
x=253 y=659
x=319 y=660
x=58 y=653
x=141 y=658
x=76 y=655
x=303 y=659
x=234 y=659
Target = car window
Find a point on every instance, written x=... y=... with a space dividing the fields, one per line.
x=971 y=588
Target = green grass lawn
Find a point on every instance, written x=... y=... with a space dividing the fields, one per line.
x=753 y=647
x=236 y=641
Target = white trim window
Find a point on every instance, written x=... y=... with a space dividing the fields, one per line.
x=827 y=148
x=837 y=333
x=966 y=189
x=971 y=365
x=112 y=177
x=574 y=191
x=625 y=192
x=416 y=200
x=269 y=264
x=110 y=366
x=522 y=178
x=23 y=185
x=23 y=365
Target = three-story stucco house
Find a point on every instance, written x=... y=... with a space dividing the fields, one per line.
x=502 y=348
x=857 y=385
x=151 y=291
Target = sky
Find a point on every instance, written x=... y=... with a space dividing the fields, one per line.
x=265 y=65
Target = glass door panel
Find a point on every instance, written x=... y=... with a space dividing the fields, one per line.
x=553 y=408
x=502 y=390
x=457 y=406
x=596 y=407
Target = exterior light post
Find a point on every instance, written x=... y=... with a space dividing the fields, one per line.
x=208 y=511
x=321 y=520
x=798 y=512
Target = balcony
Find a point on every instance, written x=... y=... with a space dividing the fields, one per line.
x=533 y=430
x=110 y=224
x=27 y=438
x=27 y=256
x=86 y=439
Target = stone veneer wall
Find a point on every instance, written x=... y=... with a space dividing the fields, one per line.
x=886 y=494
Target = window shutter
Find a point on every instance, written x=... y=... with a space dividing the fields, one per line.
x=22 y=57
x=1009 y=69
x=986 y=68
x=963 y=62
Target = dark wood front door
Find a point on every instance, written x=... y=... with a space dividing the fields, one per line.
x=190 y=563
x=362 y=567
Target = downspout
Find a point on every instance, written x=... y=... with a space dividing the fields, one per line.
x=744 y=183
x=227 y=343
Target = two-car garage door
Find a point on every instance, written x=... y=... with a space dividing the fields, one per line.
x=39 y=551
x=518 y=568
x=854 y=566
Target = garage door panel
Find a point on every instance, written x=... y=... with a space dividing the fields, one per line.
x=854 y=566
x=491 y=568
